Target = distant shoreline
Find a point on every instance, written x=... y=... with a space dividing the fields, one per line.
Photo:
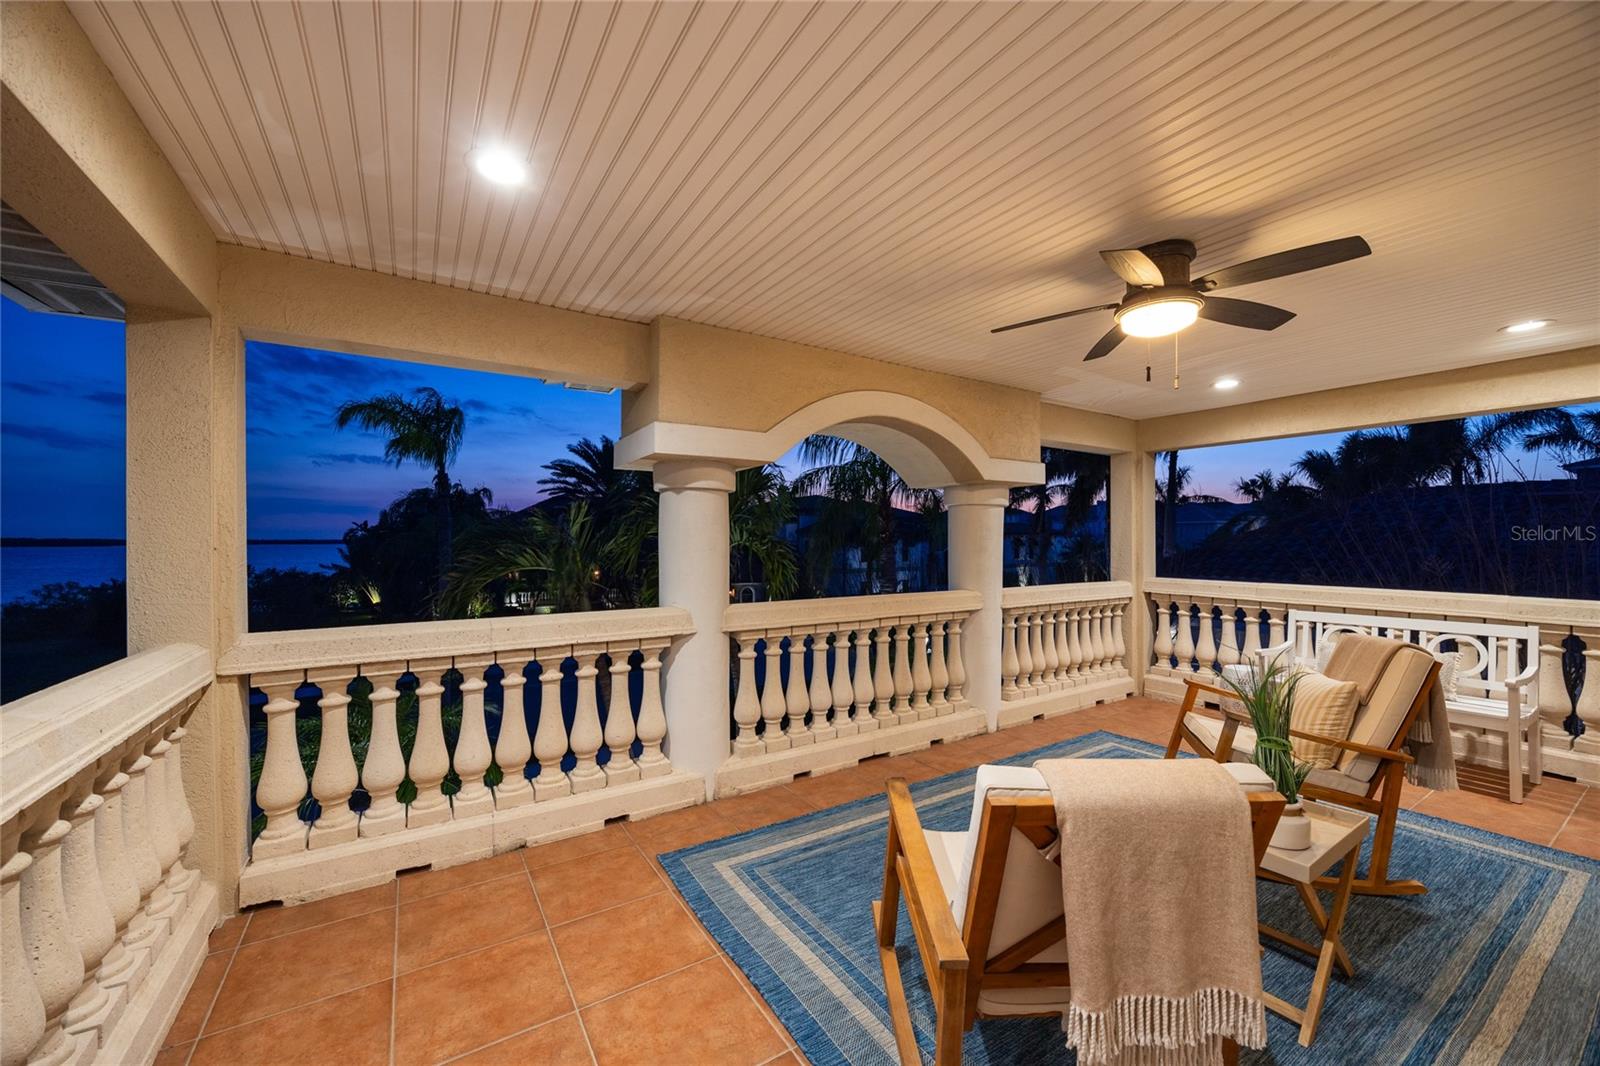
x=106 y=542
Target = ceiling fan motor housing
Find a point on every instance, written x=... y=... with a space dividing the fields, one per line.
x=1172 y=258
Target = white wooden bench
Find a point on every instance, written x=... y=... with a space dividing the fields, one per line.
x=1496 y=685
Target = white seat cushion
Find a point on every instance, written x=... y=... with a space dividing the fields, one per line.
x=1209 y=730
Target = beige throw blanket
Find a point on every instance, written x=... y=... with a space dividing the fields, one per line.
x=1363 y=659
x=1158 y=881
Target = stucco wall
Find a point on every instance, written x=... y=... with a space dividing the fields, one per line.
x=80 y=166
x=1085 y=431
x=717 y=377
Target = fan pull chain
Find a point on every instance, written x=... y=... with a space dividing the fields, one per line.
x=1174 y=361
x=1147 y=360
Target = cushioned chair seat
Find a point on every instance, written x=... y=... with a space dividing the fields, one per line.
x=1209 y=730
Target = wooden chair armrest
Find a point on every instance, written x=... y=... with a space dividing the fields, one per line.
x=924 y=893
x=1350 y=745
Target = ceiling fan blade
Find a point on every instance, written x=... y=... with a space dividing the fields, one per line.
x=1246 y=313
x=1052 y=318
x=1133 y=266
x=1103 y=346
x=1294 y=261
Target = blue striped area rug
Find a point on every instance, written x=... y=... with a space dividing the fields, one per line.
x=1498 y=963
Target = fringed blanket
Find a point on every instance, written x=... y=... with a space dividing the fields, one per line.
x=1363 y=659
x=1160 y=897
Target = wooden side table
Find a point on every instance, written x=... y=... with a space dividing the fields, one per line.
x=1336 y=835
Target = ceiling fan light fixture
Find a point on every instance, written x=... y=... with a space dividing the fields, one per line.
x=1159 y=317
x=1527 y=326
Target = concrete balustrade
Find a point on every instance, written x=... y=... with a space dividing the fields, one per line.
x=476 y=778
x=1201 y=626
x=103 y=925
x=1062 y=648
x=822 y=684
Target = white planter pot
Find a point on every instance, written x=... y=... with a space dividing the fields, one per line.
x=1294 y=830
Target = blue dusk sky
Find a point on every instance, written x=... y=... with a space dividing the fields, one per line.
x=62 y=428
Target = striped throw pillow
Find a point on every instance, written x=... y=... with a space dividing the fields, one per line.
x=1325 y=707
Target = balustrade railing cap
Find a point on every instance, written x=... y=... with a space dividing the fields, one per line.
x=48 y=737
x=805 y=614
x=355 y=645
x=1065 y=594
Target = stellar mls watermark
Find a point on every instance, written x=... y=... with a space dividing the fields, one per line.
x=1545 y=534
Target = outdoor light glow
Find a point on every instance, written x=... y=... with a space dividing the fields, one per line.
x=499 y=166
x=1225 y=384
x=1159 y=318
x=1526 y=327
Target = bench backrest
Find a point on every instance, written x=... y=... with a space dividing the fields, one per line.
x=1488 y=652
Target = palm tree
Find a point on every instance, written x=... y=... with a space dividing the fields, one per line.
x=426 y=429
x=761 y=506
x=1169 y=491
x=565 y=552
x=855 y=480
x=1073 y=480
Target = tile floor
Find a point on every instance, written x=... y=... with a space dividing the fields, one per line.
x=581 y=951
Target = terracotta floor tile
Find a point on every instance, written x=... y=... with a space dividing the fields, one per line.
x=698 y=1015
x=612 y=836
x=788 y=1058
x=1581 y=833
x=350 y=1029
x=677 y=829
x=616 y=949
x=911 y=767
x=288 y=971
x=841 y=786
x=225 y=937
x=1537 y=819
x=466 y=919
x=186 y=1026
x=557 y=1043
x=432 y=882
x=467 y=1002
x=750 y=989
x=173 y=1056
x=275 y=921
x=761 y=808
x=572 y=889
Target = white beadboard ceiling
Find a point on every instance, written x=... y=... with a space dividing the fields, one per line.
x=893 y=179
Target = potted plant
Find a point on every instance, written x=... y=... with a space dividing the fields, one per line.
x=1268 y=697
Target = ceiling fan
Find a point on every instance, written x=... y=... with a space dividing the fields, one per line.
x=1161 y=299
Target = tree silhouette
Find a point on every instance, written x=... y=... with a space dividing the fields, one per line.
x=862 y=492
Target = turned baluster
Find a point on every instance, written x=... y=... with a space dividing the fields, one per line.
x=149 y=928
x=1228 y=650
x=652 y=726
x=93 y=926
x=430 y=758
x=1251 y=653
x=1053 y=673
x=1161 y=640
x=513 y=747
x=746 y=707
x=1276 y=620
x=620 y=767
x=53 y=954
x=773 y=705
x=550 y=735
x=586 y=737
x=1010 y=662
x=939 y=672
x=1206 y=649
x=1075 y=649
x=1588 y=709
x=21 y=1006
x=183 y=878
x=283 y=776
x=1065 y=667
x=843 y=691
x=882 y=686
x=1185 y=649
x=957 y=664
x=1107 y=641
x=921 y=676
x=1088 y=640
x=162 y=828
x=861 y=678
x=821 y=690
x=797 y=701
x=335 y=776
x=902 y=674
x=472 y=755
x=384 y=768
x=121 y=967
x=1039 y=680
x=1119 y=646
x=1027 y=672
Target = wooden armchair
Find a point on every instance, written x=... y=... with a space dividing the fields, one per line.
x=986 y=908
x=1370 y=771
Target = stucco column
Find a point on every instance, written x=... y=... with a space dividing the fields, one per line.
x=977 y=532
x=693 y=545
x=1131 y=532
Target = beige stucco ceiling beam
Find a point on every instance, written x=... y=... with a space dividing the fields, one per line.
x=277 y=297
x=1085 y=431
x=1552 y=380
x=79 y=165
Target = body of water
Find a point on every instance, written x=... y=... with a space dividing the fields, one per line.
x=24 y=570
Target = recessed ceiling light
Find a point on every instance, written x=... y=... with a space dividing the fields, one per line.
x=1225 y=384
x=1526 y=327
x=499 y=166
